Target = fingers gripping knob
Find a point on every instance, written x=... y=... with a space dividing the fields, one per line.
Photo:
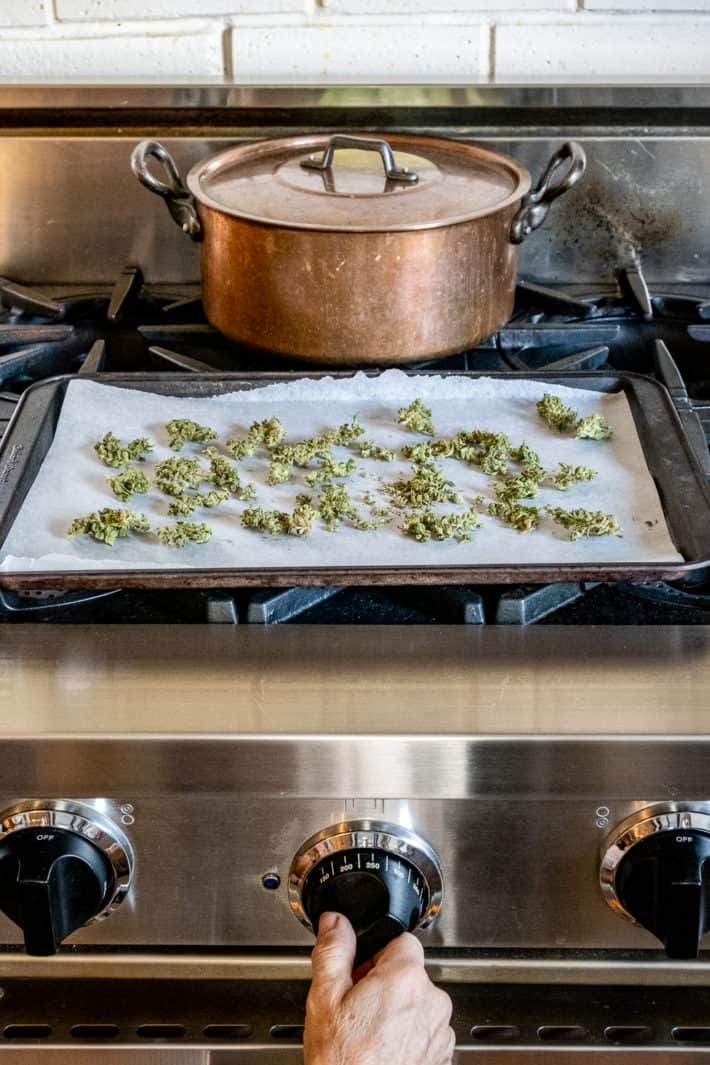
x=382 y=878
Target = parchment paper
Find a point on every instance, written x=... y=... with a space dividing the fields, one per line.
x=72 y=482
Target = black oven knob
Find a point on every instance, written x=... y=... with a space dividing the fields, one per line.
x=384 y=879
x=55 y=878
x=657 y=873
x=380 y=894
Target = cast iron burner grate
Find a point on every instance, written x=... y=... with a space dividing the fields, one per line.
x=139 y=327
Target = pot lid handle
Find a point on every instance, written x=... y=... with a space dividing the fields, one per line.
x=370 y=144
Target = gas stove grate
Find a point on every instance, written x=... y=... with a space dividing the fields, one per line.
x=134 y=327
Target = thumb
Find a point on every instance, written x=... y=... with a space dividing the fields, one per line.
x=333 y=955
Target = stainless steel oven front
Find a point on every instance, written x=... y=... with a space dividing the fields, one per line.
x=544 y=802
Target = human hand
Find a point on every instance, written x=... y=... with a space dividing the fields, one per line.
x=393 y=1015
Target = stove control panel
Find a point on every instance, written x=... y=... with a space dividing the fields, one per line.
x=655 y=871
x=62 y=865
x=384 y=878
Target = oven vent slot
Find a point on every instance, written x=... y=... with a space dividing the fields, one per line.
x=228 y=1031
x=691 y=1035
x=95 y=1031
x=562 y=1033
x=27 y=1031
x=287 y=1031
x=160 y=1031
x=495 y=1033
x=629 y=1033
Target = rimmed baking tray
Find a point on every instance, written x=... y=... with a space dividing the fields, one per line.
x=681 y=483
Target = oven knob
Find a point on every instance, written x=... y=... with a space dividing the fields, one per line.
x=656 y=872
x=62 y=865
x=382 y=877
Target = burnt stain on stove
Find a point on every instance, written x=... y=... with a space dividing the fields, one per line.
x=627 y=224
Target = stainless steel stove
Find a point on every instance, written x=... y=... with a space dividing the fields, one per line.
x=520 y=792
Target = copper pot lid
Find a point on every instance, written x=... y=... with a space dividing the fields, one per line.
x=363 y=183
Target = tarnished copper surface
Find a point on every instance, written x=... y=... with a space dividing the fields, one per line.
x=345 y=267
x=358 y=298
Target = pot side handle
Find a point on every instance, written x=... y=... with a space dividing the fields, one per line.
x=179 y=199
x=568 y=163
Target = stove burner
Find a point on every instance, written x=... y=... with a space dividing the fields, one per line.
x=136 y=327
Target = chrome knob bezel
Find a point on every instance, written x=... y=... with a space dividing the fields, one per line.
x=644 y=823
x=367 y=834
x=85 y=820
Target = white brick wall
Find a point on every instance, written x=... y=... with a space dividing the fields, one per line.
x=653 y=49
x=283 y=41
x=29 y=13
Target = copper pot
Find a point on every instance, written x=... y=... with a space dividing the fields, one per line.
x=336 y=250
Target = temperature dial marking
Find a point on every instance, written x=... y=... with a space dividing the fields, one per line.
x=382 y=877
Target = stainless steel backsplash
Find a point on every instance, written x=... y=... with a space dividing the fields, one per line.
x=73 y=212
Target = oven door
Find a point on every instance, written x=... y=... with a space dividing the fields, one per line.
x=206 y=1021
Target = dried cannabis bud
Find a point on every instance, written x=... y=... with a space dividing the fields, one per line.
x=131 y=481
x=426 y=486
x=182 y=430
x=241 y=449
x=279 y=472
x=269 y=432
x=525 y=455
x=427 y=452
x=369 y=450
x=346 y=433
x=582 y=522
x=108 y=524
x=334 y=506
x=224 y=475
x=483 y=448
x=479 y=447
x=570 y=475
x=182 y=532
x=329 y=469
x=214 y=497
x=517 y=486
x=416 y=417
x=553 y=411
x=496 y=459
x=284 y=458
x=593 y=427
x=529 y=460
x=175 y=476
x=524 y=519
x=280 y=522
x=276 y=522
x=301 y=520
x=428 y=525
x=272 y=431
x=113 y=452
x=184 y=505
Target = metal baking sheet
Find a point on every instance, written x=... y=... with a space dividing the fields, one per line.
x=681 y=486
